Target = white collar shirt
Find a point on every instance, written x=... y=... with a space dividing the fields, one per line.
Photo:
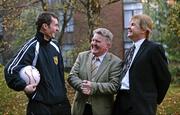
x=125 y=80
x=98 y=63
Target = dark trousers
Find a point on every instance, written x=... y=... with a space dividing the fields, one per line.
x=38 y=108
x=88 y=109
x=123 y=104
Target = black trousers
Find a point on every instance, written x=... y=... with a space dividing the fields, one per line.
x=123 y=104
x=88 y=109
x=38 y=108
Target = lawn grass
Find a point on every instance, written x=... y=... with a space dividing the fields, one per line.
x=11 y=102
x=171 y=103
x=14 y=103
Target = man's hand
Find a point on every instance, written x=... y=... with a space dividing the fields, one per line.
x=86 y=87
x=30 y=88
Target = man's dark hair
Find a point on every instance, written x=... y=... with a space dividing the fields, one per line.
x=45 y=17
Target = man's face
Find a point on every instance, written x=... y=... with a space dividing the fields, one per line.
x=134 y=31
x=99 y=45
x=52 y=29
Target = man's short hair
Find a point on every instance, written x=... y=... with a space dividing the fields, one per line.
x=45 y=17
x=145 y=23
x=105 y=33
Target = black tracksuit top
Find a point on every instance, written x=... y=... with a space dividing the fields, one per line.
x=51 y=89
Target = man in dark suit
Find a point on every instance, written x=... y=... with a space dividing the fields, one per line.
x=146 y=78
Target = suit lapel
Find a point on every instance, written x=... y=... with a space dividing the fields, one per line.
x=141 y=49
x=103 y=66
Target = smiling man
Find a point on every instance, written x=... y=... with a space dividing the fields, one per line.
x=42 y=51
x=95 y=76
x=145 y=77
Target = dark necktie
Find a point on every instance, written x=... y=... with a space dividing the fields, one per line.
x=128 y=59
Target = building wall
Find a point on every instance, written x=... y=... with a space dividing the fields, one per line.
x=113 y=19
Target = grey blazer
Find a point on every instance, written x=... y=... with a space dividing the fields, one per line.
x=104 y=85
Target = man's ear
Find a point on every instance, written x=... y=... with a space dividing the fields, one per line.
x=109 y=45
x=44 y=26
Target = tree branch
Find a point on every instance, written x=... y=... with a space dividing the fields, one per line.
x=110 y=2
x=28 y=4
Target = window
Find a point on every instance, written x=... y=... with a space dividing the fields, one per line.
x=68 y=59
x=54 y=2
x=127 y=15
x=70 y=26
x=128 y=1
x=130 y=9
x=51 y=2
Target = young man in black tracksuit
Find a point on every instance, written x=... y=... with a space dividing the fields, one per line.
x=49 y=96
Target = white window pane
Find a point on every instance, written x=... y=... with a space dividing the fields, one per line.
x=128 y=1
x=127 y=17
x=70 y=26
x=133 y=6
x=138 y=11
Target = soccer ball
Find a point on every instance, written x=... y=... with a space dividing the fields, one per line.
x=30 y=75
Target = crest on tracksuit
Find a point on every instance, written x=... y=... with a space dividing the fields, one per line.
x=55 y=58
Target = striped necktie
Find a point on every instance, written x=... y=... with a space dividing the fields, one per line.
x=94 y=66
x=128 y=59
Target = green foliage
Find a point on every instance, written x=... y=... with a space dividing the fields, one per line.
x=175 y=72
x=11 y=102
x=167 y=30
x=173 y=32
x=25 y=27
x=172 y=40
x=82 y=46
x=173 y=20
x=10 y=10
x=157 y=9
x=3 y=45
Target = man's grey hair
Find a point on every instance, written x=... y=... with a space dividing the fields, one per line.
x=105 y=33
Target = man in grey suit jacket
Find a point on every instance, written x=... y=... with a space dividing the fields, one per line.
x=147 y=79
x=97 y=90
